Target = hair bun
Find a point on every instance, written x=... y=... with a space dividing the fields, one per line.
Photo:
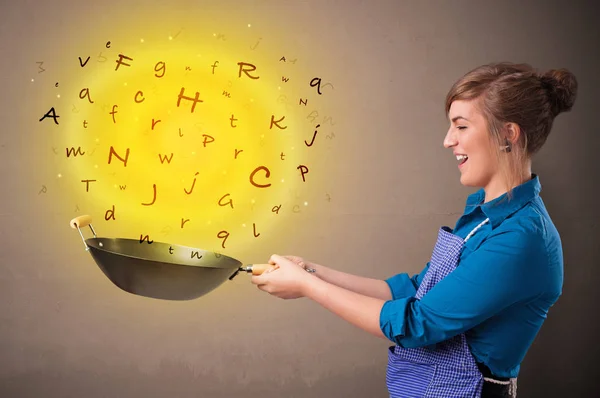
x=562 y=89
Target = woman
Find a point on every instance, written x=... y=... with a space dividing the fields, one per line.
x=463 y=325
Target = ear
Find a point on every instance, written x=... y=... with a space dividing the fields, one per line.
x=513 y=132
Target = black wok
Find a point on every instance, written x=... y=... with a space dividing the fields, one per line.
x=161 y=270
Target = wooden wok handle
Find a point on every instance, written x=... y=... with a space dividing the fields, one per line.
x=258 y=269
x=80 y=222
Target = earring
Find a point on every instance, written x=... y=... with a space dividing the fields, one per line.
x=507 y=148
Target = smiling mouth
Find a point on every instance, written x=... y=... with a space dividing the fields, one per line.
x=462 y=159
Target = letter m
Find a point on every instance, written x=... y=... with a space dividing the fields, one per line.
x=74 y=151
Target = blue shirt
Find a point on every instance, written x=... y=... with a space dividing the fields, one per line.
x=509 y=274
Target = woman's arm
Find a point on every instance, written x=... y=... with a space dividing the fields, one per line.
x=376 y=288
x=360 y=310
x=503 y=271
x=400 y=285
x=289 y=281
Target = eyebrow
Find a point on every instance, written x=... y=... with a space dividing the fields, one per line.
x=454 y=119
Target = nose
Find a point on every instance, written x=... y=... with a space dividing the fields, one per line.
x=450 y=139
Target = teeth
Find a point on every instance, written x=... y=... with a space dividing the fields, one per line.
x=461 y=157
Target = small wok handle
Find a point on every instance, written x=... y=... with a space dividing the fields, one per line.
x=80 y=222
x=257 y=269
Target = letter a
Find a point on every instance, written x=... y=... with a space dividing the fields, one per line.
x=51 y=113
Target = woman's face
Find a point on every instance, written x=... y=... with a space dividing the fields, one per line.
x=469 y=139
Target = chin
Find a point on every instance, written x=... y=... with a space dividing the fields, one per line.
x=469 y=182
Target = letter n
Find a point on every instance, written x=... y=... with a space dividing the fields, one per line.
x=112 y=152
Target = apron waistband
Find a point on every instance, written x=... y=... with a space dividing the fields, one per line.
x=487 y=373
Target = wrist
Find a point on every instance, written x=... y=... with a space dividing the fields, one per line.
x=318 y=269
x=311 y=285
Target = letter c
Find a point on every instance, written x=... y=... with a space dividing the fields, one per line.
x=268 y=174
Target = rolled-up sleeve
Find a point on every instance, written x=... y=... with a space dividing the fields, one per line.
x=402 y=285
x=500 y=272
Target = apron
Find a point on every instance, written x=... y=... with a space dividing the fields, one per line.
x=445 y=369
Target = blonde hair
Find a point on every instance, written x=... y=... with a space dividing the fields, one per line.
x=517 y=93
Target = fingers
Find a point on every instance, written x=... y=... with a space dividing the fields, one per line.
x=271 y=269
x=262 y=284
x=294 y=259
x=264 y=288
x=284 y=261
x=276 y=260
x=259 y=279
x=263 y=278
x=297 y=260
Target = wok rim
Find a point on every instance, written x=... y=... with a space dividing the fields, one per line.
x=96 y=240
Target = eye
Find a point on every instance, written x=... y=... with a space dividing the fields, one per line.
x=461 y=127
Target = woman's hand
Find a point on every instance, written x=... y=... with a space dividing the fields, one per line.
x=306 y=265
x=287 y=280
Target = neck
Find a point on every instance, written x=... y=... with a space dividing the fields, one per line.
x=498 y=185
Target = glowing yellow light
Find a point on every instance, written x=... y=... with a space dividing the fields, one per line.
x=214 y=34
x=31 y=79
x=305 y=203
x=59 y=175
x=249 y=25
x=152 y=141
x=292 y=148
x=58 y=96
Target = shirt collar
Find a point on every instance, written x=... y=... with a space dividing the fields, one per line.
x=502 y=207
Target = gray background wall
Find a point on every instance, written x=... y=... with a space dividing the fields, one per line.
x=65 y=331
